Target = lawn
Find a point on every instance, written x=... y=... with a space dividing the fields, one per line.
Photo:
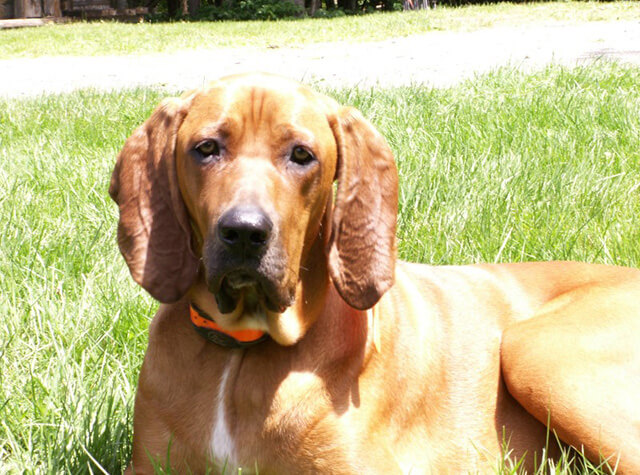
x=99 y=38
x=507 y=167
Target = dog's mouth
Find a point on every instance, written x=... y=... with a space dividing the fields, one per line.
x=254 y=292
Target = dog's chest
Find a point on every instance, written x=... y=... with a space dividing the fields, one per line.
x=265 y=420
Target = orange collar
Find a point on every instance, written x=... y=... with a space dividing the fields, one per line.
x=209 y=329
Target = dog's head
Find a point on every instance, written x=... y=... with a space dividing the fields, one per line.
x=229 y=189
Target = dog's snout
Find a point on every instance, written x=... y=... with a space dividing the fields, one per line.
x=245 y=228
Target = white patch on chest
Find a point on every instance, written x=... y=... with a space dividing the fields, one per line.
x=222 y=445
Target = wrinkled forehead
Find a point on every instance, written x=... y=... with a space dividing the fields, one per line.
x=261 y=105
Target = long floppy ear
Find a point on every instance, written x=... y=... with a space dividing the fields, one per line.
x=362 y=246
x=154 y=233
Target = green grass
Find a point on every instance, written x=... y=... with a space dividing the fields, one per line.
x=118 y=38
x=510 y=167
x=505 y=167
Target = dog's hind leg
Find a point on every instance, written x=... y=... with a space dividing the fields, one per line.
x=576 y=366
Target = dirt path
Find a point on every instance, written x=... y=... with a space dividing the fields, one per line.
x=435 y=59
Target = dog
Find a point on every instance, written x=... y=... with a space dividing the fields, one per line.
x=289 y=339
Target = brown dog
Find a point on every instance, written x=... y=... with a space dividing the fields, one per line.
x=290 y=340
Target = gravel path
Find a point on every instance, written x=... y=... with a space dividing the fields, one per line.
x=435 y=59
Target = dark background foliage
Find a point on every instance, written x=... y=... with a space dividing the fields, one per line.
x=220 y=10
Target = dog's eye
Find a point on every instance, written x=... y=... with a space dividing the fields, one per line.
x=208 y=149
x=301 y=156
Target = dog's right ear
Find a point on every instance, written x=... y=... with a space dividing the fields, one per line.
x=154 y=233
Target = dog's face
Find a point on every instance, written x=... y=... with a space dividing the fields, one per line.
x=228 y=191
x=255 y=166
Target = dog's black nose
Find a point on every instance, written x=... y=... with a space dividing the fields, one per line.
x=245 y=229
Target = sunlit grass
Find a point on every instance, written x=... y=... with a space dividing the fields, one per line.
x=108 y=38
x=506 y=167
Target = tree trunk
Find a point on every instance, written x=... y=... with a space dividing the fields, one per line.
x=52 y=8
x=172 y=8
x=194 y=6
x=6 y=9
x=312 y=6
x=28 y=9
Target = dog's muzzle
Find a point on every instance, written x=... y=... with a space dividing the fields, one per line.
x=243 y=262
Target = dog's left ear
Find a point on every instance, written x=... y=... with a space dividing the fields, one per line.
x=362 y=245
